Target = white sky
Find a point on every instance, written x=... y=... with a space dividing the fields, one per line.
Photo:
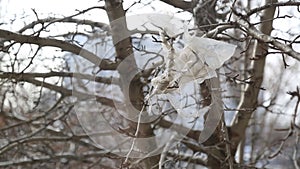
x=50 y=6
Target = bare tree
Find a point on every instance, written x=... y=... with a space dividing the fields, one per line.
x=79 y=93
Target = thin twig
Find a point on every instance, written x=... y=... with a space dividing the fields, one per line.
x=135 y=135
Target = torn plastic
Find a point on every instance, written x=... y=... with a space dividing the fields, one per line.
x=200 y=58
x=196 y=62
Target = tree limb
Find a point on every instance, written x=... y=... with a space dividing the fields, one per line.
x=67 y=92
x=277 y=4
x=67 y=20
x=104 y=64
x=249 y=98
x=57 y=156
x=187 y=6
x=252 y=31
x=58 y=74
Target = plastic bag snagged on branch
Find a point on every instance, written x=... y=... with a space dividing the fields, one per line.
x=202 y=56
x=197 y=62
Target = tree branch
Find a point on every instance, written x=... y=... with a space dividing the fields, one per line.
x=249 y=97
x=104 y=64
x=256 y=10
x=252 y=31
x=187 y=6
x=58 y=156
x=67 y=20
x=58 y=74
x=194 y=134
x=66 y=92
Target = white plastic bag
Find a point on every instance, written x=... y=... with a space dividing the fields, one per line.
x=200 y=58
x=197 y=62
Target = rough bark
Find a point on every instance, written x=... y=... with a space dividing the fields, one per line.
x=134 y=95
x=249 y=99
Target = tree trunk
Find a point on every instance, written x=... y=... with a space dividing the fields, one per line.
x=249 y=99
x=134 y=95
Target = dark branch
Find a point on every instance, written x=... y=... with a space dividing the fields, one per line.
x=252 y=31
x=70 y=156
x=186 y=6
x=67 y=92
x=104 y=64
x=58 y=74
x=67 y=20
x=256 y=10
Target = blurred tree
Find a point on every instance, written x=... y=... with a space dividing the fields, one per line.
x=75 y=91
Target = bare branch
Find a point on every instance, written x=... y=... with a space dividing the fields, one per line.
x=252 y=31
x=66 y=92
x=58 y=156
x=250 y=96
x=104 y=64
x=17 y=141
x=188 y=158
x=194 y=134
x=58 y=74
x=67 y=20
x=187 y=6
x=269 y=5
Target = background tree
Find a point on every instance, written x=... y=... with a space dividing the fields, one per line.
x=66 y=80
